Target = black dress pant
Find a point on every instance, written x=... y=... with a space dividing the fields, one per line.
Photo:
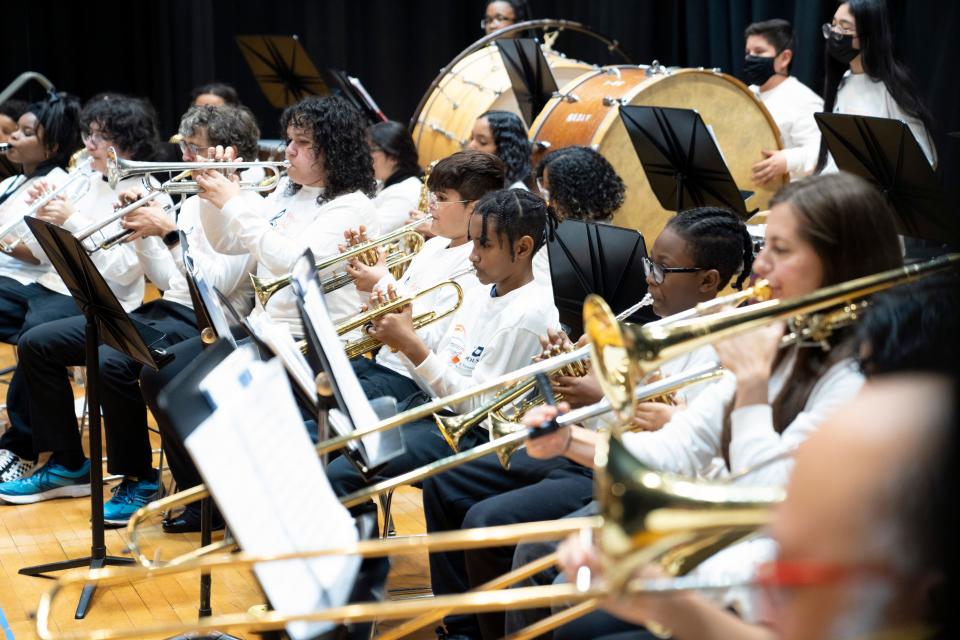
x=22 y=307
x=483 y=494
x=47 y=350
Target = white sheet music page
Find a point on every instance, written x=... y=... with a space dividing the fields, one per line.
x=277 y=336
x=355 y=400
x=255 y=456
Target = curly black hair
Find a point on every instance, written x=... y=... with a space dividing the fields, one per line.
x=516 y=213
x=718 y=239
x=339 y=139
x=129 y=123
x=472 y=174
x=583 y=184
x=222 y=90
x=59 y=115
x=510 y=136
x=394 y=139
x=226 y=125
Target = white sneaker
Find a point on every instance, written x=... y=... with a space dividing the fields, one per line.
x=13 y=467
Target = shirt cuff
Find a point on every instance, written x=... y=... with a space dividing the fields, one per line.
x=431 y=369
x=751 y=421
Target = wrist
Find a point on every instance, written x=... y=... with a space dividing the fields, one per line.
x=751 y=390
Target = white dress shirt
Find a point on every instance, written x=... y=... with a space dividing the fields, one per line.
x=792 y=105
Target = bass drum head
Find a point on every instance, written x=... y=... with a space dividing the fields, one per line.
x=740 y=123
x=477 y=84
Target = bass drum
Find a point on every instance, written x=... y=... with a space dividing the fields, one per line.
x=476 y=84
x=586 y=112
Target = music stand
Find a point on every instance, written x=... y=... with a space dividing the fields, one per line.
x=106 y=321
x=354 y=92
x=592 y=257
x=680 y=157
x=282 y=68
x=530 y=75
x=885 y=153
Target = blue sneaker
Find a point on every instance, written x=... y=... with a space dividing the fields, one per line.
x=128 y=496
x=50 y=481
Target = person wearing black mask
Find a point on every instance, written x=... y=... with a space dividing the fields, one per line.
x=863 y=77
x=769 y=49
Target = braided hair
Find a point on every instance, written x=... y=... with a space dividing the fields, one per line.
x=717 y=238
x=517 y=213
x=583 y=184
x=339 y=139
x=510 y=136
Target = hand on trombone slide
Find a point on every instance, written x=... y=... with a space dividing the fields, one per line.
x=217 y=188
x=365 y=271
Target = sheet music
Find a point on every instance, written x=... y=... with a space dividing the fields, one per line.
x=255 y=456
x=277 y=336
x=214 y=311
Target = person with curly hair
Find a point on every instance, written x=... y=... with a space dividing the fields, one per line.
x=397 y=170
x=580 y=184
x=504 y=135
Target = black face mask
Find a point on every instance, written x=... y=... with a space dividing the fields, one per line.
x=842 y=50
x=757 y=70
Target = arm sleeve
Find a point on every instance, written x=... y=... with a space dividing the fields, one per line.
x=805 y=134
x=157 y=262
x=509 y=349
x=216 y=223
x=755 y=440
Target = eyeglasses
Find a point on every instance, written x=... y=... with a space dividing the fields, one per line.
x=498 y=18
x=190 y=148
x=837 y=33
x=657 y=271
x=96 y=138
x=433 y=202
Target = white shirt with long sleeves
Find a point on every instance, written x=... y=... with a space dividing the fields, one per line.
x=489 y=336
x=13 y=209
x=230 y=274
x=861 y=95
x=276 y=231
x=435 y=262
x=394 y=203
x=119 y=266
x=693 y=438
x=792 y=105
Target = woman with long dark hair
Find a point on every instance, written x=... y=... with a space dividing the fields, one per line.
x=504 y=135
x=397 y=170
x=864 y=78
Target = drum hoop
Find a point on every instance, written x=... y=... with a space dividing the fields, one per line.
x=561 y=25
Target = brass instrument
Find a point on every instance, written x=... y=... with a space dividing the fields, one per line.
x=622 y=354
x=74 y=187
x=4 y=147
x=645 y=513
x=401 y=245
x=114 y=240
x=118 y=169
x=368 y=343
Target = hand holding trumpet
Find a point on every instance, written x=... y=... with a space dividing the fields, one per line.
x=215 y=187
x=56 y=211
x=395 y=330
x=365 y=276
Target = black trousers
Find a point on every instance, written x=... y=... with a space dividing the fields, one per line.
x=483 y=494
x=47 y=350
x=22 y=307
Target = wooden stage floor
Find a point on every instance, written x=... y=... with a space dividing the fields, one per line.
x=59 y=529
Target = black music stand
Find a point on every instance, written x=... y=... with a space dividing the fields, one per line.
x=530 y=75
x=284 y=71
x=107 y=322
x=352 y=90
x=683 y=164
x=592 y=257
x=885 y=153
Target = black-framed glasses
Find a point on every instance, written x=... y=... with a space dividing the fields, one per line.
x=658 y=272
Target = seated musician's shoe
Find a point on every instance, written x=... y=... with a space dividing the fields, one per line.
x=188 y=521
x=128 y=496
x=13 y=467
x=52 y=480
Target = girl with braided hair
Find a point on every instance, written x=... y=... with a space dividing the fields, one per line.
x=504 y=135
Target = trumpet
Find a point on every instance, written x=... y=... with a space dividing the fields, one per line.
x=645 y=514
x=114 y=240
x=75 y=187
x=401 y=245
x=368 y=343
x=118 y=169
x=622 y=354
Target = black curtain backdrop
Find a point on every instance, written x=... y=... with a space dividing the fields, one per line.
x=162 y=49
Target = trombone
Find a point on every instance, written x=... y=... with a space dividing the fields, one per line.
x=401 y=245
x=644 y=514
x=119 y=169
x=75 y=187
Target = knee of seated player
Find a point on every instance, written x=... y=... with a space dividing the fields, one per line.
x=150 y=386
x=489 y=513
x=343 y=477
